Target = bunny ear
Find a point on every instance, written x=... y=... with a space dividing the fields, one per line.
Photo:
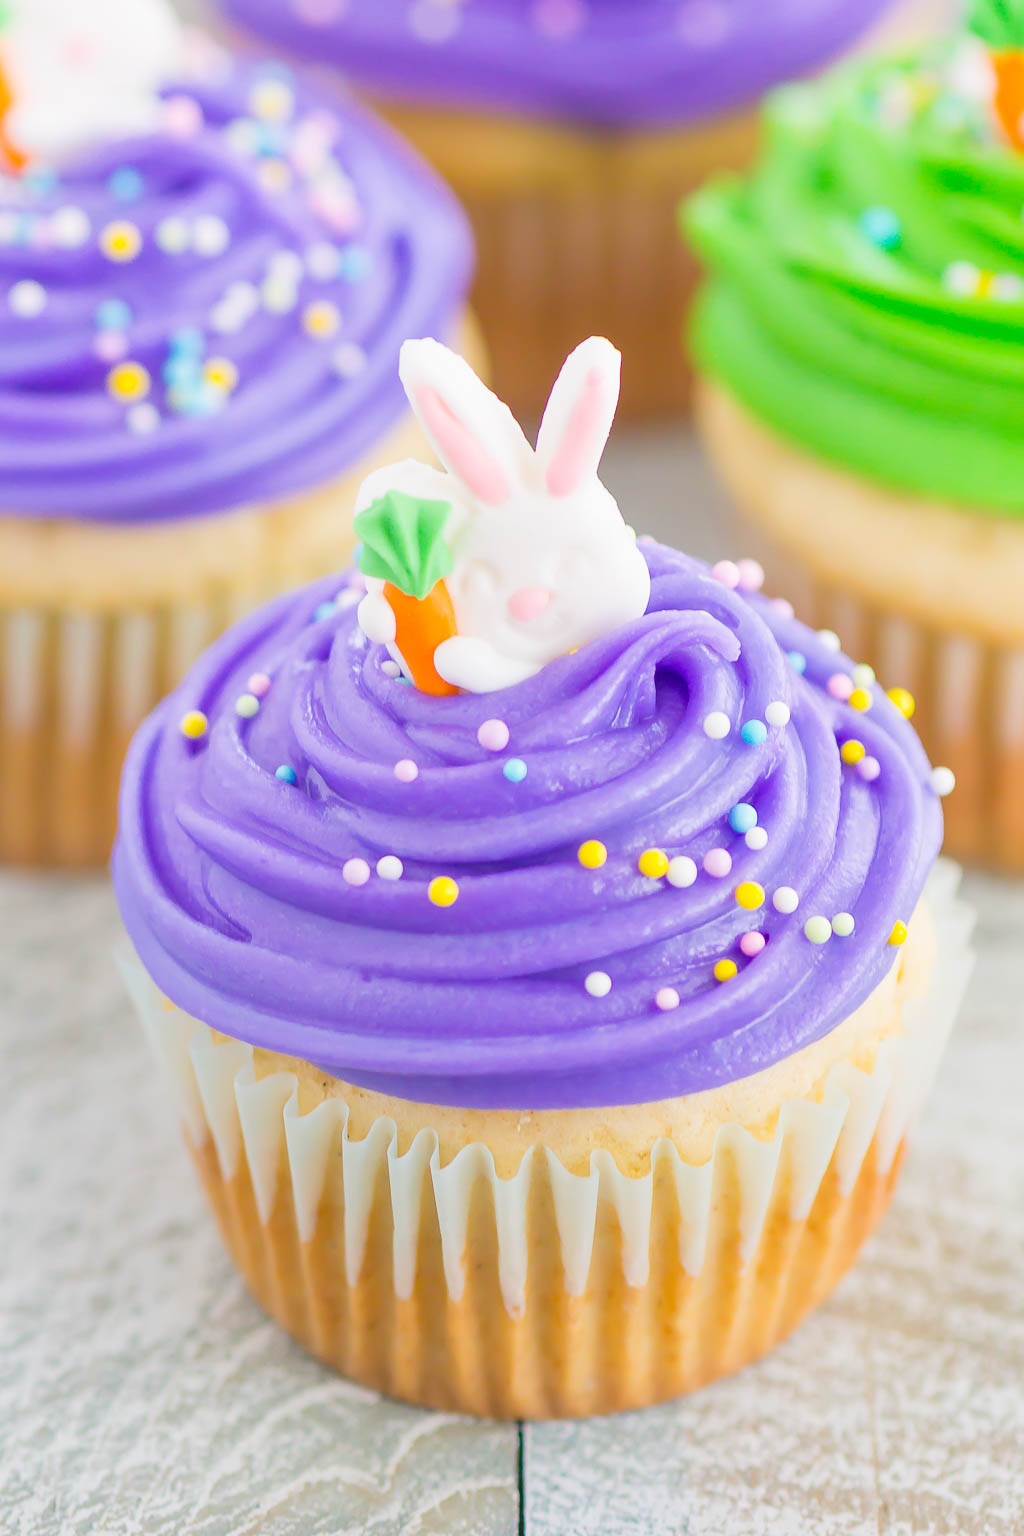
x=473 y=434
x=579 y=416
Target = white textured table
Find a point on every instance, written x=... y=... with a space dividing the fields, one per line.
x=143 y=1394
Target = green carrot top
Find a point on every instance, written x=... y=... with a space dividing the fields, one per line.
x=999 y=23
x=403 y=542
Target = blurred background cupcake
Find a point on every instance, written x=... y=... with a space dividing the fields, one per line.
x=205 y=278
x=570 y=128
x=861 y=340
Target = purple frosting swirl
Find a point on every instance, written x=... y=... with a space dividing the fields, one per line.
x=608 y=61
x=295 y=245
x=230 y=879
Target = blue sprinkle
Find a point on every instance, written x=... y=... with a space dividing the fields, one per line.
x=742 y=816
x=187 y=342
x=179 y=371
x=286 y=774
x=195 y=398
x=354 y=263
x=324 y=610
x=798 y=661
x=754 y=732
x=882 y=227
x=403 y=679
x=113 y=315
x=514 y=770
x=126 y=184
x=270 y=140
x=40 y=181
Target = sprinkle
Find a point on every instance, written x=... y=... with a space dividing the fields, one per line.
x=210 y=235
x=666 y=998
x=749 y=895
x=852 y=752
x=716 y=725
x=142 y=418
x=187 y=341
x=126 y=184
x=727 y=572
x=514 y=770
x=904 y=701
x=860 y=698
x=247 y=705
x=869 y=769
x=172 y=236
x=943 y=781
x=321 y=319
x=783 y=607
x=829 y=639
x=785 y=900
x=390 y=668
x=798 y=661
x=777 y=713
x=348 y=360
x=26 y=299
x=882 y=227
x=194 y=724
x=754 y=732
x=898 y=935
x=742 y=817
x=751 y=575
x=325 y=609
x=355 y=872
x=756 y=839
x=725 y=970
x=839 y=686
x=390 y=867
x=598 y=983
x=717 y=863
x=493 y=735
x=113 y=315
x=592 y=854
x=322 y=261
x=863 y=675
x=653 y=863
x=843 y=925
x=109 y=346
x=121 y=240
x=818 y=930
x=406 y=770
x=128 y=381
x=259 y=684
x=222 y=373
x=286 y=774
x=443 y=891
x=681 y=871
x=182 y=116
x=752 y=943
x=69 y=228
x=272 y=100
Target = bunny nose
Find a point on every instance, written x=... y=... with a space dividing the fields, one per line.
x=529 y=603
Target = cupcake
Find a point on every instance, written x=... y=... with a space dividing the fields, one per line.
x=570 y=130
x=860 y=347
x=205 y=278
x=549 y=957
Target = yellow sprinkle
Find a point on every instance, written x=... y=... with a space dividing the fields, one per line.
x=193 y=724
x=725 y=970
x=443 y=891
x=221 y=373
x=904 y=701
x=592 y=854
x=852 y=751
x=653 y=863
x=121 y=240
x=750 y=896
x=128 y=381
x=321 y=319
x=275 y=175
x=860 y=698
x=898 y=935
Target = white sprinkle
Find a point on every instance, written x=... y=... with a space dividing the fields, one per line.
x=777 y=713
x=961 y=277
x=943 y=781
x=27 y=299
x=598 y=984
x=172 y=236
x=390 y=668
x=322 y=261
x=829 y=639
x=785 y=899
x=70 y=227
x=666 y=998
x=862 y=675
x=210 y=235
x=355 y=872
x=843 y=925
x=681 y=871
x=390 y=867
x=279 y=296
x=716 y=725
x=756 y=839
x=142 y=418
x=285 y=265
x=348 y=360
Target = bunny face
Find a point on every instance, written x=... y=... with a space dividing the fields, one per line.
x=82 y=72
x=542 y=560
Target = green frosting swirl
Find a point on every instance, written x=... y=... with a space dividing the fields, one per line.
x=866 y=288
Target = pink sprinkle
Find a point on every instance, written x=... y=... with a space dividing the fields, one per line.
x=406 y=770
x=752 y=944
x=840 y=686
x=493 y=735
x=783 y=607
x=718 y=863
x=869 y=768
x=259 y=684
x=666 y=998
x=727 y=572
x=751 y=575
x=110 y=346
x=355 y=872
x=182 y=116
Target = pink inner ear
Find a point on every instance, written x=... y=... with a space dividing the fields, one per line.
x=579 y=450
x=460 y=450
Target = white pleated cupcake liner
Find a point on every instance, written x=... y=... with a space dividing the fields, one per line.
x=257 y=1123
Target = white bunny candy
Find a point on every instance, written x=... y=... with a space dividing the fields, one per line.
x=542 y=560
x=83 y=72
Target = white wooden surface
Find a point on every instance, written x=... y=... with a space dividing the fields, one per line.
x=143 y=1394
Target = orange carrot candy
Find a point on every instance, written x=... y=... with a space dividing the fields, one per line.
x=403 y=546
x=1000 y=25
x=10 y=155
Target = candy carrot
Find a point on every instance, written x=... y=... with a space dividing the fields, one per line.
x=10 y=155
x=1000 y=25
x=420 y=626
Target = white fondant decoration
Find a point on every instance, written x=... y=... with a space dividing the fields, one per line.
x=85 y=72
x=543 y=562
